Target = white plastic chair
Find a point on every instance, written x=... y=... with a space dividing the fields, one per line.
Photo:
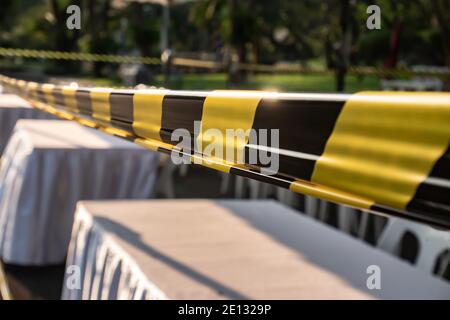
x=432 y=242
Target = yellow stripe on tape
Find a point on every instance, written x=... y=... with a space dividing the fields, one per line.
x=224 y=111
x=329 y=194
x=147 y=113
x=101 y=108
x=31 y=90
x=212 y=163
x=69 y=97
x=385 y=144
x=152 y=144
x=48 y=93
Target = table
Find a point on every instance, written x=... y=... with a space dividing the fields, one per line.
x=226 y=249
x=47 y=167
x=13 y=108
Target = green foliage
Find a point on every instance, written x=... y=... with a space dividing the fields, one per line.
x=263 y=31
x=280 y=82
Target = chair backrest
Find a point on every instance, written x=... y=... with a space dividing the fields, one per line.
x=432 y=242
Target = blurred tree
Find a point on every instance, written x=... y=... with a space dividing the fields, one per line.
x=143 y=24
x=263 y=31
x=99 y=32
x=442 y=11
x=310 y=24
x=233 y=22
x=63 y=38
x=419 y=38
x=6 y=19
x=347 y=10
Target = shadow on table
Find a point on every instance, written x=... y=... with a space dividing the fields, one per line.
x=337 y=252
x=133 y=238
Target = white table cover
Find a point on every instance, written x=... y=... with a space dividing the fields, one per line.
x=13 y=108
x=47 y=167
x=199 y=249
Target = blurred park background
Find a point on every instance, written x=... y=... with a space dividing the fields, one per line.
x=331 y=36
x=273 y=45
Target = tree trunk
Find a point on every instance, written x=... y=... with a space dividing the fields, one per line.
x=344 y=51
x=237 y=45
x=441 y=10
x=65 y=40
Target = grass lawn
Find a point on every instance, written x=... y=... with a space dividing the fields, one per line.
x=280 y=82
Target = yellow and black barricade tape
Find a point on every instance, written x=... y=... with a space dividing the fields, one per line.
x=78 y=56
x=219 y=65
x=385 y=152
